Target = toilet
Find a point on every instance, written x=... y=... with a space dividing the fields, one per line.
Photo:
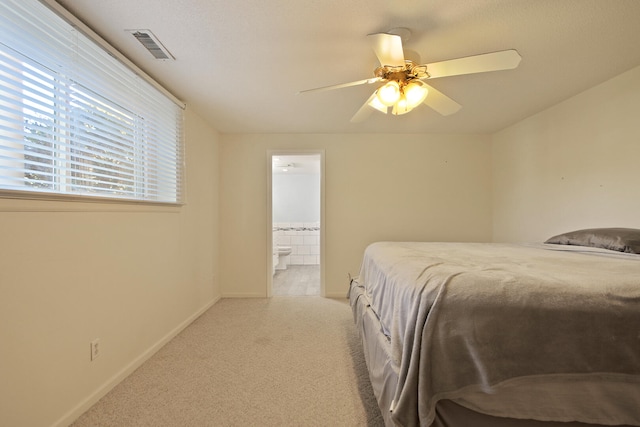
x=283 y=252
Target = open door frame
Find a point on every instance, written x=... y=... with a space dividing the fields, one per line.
x=269 y=248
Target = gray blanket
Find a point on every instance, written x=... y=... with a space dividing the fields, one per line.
x=556 y=335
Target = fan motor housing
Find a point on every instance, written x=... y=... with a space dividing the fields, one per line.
x=402 y=74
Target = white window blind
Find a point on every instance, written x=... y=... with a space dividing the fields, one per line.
x=76 y=121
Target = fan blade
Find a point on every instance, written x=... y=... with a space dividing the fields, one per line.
x=441 y=102
x=388 y=49
x=342 y=85
x=364 y=112
x=503 y=60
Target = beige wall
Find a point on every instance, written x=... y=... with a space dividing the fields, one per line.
x=129 y=275
x=134 y=275
x=571 y=166
x=377 y=187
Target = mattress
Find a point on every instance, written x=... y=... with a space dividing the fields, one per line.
x=513 y=331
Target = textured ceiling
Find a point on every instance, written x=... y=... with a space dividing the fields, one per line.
x=240 y=63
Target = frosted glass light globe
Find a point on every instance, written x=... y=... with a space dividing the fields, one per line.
x=415 y=92
x=389 y=93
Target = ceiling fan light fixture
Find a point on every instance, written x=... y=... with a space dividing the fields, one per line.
x=415 y=92
x=389 y=94
x=375 y=103
x=401 y=75
x=401 y=107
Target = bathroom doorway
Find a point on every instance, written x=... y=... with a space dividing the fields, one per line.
x=295 y=219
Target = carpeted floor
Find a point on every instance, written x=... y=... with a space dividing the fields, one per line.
x=286 y=361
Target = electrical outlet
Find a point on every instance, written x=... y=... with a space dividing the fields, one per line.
x=95 y=348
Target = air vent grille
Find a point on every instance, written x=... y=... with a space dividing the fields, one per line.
x=152 y=44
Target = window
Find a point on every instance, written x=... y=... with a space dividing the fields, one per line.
x=76 y=121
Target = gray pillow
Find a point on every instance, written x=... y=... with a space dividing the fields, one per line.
x=616 y=239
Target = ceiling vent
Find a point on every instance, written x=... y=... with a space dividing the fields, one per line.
x=152 y=44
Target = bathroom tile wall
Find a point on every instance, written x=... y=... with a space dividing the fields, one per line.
x=304 y=239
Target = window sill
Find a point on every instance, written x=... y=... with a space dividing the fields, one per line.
x=17 y=201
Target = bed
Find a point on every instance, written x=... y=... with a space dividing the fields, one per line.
x=502 y=335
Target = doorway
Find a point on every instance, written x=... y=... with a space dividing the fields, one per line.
x=295 y=223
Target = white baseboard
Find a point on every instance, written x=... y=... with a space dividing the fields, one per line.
x=332 y=295
x=336 y=295
x=91 y=400
x=244 y=295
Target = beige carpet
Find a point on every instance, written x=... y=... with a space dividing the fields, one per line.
x=284 y=361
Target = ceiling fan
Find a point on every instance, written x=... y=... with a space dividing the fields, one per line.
x=404 y=88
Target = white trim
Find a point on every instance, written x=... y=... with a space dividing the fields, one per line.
x=81 y=198
x=242 y=295
x=337 y=296
x=269 y=248
x=94 y=397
